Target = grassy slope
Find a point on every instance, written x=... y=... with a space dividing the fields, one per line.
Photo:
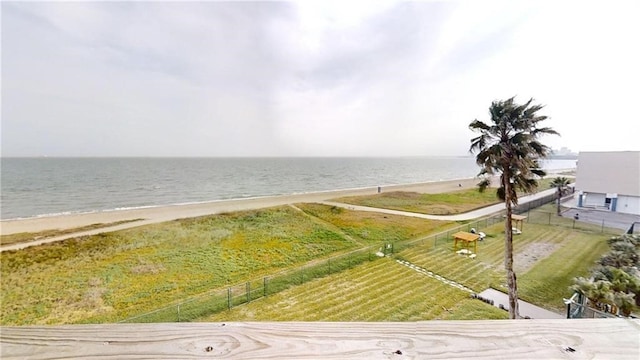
x=143 y=268
x=111 y=276
x=386 y=291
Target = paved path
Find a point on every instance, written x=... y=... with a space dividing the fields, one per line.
x=526 y=309
x=605 y=218
x=485 y=211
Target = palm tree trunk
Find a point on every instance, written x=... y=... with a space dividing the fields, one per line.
x=508 y=253
x=559 y=195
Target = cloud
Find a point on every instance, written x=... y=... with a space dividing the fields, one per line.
x=308 y=78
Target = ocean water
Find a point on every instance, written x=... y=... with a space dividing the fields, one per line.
x=52 y=186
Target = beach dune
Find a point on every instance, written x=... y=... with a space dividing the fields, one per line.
x=172 y=212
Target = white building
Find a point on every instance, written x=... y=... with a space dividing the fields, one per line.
x=609 y=181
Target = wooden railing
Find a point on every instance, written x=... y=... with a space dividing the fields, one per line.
x=504 y=339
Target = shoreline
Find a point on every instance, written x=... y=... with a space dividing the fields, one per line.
x=162 y=213
x=204 y=202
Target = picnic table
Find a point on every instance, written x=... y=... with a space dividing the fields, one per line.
x=518 y=219
x=467 y=237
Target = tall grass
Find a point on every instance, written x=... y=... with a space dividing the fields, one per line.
x=112 y=276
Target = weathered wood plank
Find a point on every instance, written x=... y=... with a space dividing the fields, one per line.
x=508 y=339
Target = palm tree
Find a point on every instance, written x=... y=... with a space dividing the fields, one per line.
x=560 y=183
x=508 y=145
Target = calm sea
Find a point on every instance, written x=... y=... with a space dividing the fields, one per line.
x=52 y=186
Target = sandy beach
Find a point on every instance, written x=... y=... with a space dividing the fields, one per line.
x=172 y=212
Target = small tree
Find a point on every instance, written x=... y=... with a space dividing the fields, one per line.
x=561 y=184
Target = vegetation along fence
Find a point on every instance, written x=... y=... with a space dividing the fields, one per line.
x=535 y=215
x=222 y=299
x=576 y=310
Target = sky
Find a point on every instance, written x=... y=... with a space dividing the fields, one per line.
x=311 y=78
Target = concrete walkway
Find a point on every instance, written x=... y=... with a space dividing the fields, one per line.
x=526 y=309
x=485 y=211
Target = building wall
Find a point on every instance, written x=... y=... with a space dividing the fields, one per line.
x=610 y=174
x=616 y=172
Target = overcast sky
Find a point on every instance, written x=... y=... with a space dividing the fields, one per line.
x=321 y=78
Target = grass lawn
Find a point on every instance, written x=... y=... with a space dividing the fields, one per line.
x=381 y=290
x=433 y=204
x=112 y=276
x=547 y=258
x=367 y=227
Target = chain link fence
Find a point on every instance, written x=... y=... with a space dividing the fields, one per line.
x=608 y=223
x=224 y=299
x=577 y=310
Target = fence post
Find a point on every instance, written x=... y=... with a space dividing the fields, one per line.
x=228 y=298
x=248 y=291
x=178 y=313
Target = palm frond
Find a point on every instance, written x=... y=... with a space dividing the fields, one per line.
x=538 y=172
x=545 y=130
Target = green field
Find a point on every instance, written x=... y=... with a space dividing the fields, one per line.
x=112 y=276
x=115 y=276
x=381 y=290
x=384 y=290
x=433 y=204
